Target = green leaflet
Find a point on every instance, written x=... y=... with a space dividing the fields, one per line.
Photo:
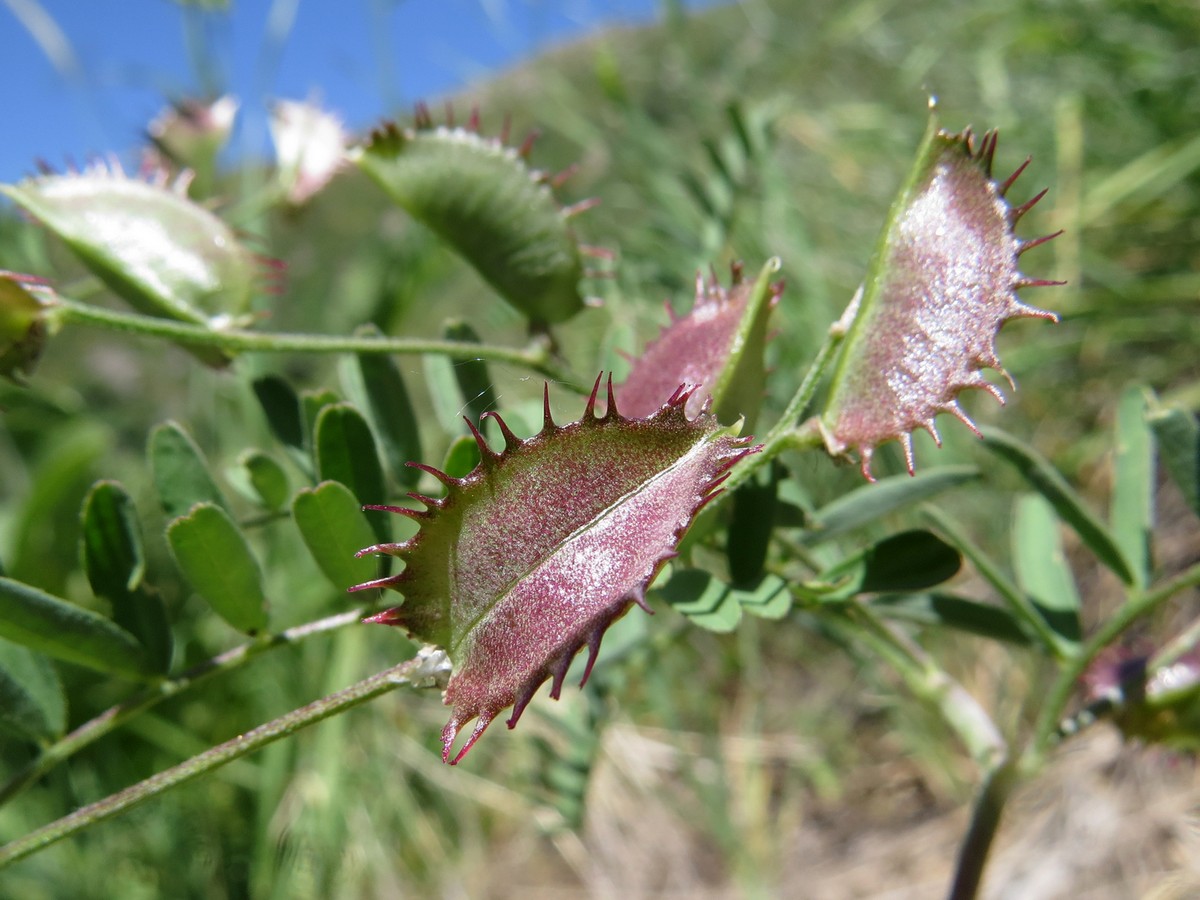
x=333 y=527
x=113 y=558
x=45 y=623
x=215 y=558
x=180 y=471
x=32 y=704
x=1068 y=505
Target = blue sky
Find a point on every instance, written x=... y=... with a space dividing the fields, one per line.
x=84 y=77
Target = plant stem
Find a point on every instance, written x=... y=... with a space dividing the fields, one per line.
x=428 y=668
x=1139 y=604
x=973 y=854
x=115 y=716
x=537 y=357
x=1017 y=601
x=930 y=683
x=787 y=434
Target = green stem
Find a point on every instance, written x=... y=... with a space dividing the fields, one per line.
x=927 y=681
x=428 y=668
x=1139 y=604
x=787 y=435
x=115 y=716
x=1179 y=646
x=985 y=821
x=1018 y=601
x=537 y=357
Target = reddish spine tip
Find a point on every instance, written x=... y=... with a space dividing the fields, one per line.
x=559 y=179
x=527 y=145
x=547 y=418
x=451 y=732
x=473 y=122
x=1037 y=242
x=589 y=411
x=511 y=441
x=864 y=463
x=987 y=150
x=597 y=252
x=441 y=476
x=484 y=450
x=594 y=639
x=581 y=207
x=1002 y=189
x=1018 y=211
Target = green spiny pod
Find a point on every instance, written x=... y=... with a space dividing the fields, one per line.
x=481 y=197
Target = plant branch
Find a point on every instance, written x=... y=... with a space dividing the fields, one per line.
x=428 y=668
x=973 y=854
x=928 y=681
x=115 y=716
x=537 y=357
x=1018 y=601
x=787 y=435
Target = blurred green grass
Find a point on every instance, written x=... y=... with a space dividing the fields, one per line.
x=732 y=742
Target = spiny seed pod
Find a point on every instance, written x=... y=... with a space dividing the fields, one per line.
x=718 y=345
x=940 y=286
x=162 y=253
x=540 y=548
x=481 y=197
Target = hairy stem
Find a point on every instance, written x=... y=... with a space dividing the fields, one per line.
x=115 y=716
x=428 y=668
x=537 y=357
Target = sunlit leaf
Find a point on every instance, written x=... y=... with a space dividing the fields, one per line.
x=1178 y=435
x=1042 y=569
x=215 y=558
x=333 y=527
x=1069 y=506
x=870 y=503
x=1134 y=482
